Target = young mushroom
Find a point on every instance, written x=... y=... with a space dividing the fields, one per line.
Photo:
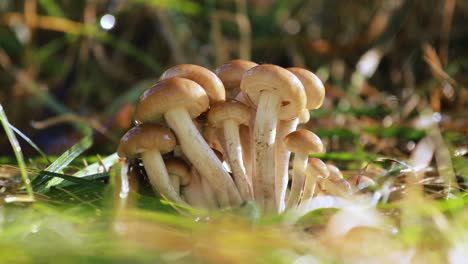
x=302 y=142
x=316 y=170
x=315 y=94
x=360 y=182
x=335 y=184
x=278 y=94
x=231 y=75
x=179 y=173
x=178 y=100
x=228 y=116
x=193 y=193
x=205 y=78
x=148 y=142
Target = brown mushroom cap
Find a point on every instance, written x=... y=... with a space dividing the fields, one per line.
x=304 y=117
x=318 y=167
x=304 y=142
x=231 y=73
x=146 y=137
x=335 y=173
x=171 y=93
x=361 y=182
x=179 y=168
x=205 y=78
x=313 y=86
x=232 y=110
x=268 y=77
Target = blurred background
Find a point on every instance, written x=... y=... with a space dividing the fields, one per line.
x=388 y=65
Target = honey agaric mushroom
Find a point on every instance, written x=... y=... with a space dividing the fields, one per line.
x=335 y=184
x=148 y=142
x=278 y=94
x=315 y=94
x=302 y=142
x=178 y=100
x=207 y=190
x=316 y=170
x=228 y=116
x=360 y=182
x=231 y=75
x=205 y=78
x=179 y=173
x=193 y=193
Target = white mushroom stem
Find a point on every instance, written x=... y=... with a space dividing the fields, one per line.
x=245 y=138
x=158 y=176
x=309 y=185
x=282 y=155
x=234 y=155
x=208 y=194
x=175 y=182
x=264 y=150
x=202 y=157
x=298 y=177
x=193 y=194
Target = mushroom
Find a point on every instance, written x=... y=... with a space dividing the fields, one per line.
x=193 y=192
x=178 y=100
x=316 y=170
x=361 y=182
x=179 y=173
x=278 y=94
x=302 y=142
x=231 y=75
x=315 y=94
x=228 y=116
x=207 y=190
x=335 y=184
x=205 y=78
x=149 y=142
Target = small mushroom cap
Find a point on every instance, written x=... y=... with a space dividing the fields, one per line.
x=361 y=182
x=304 y=142
x=233 y=110
x=304 y=117
x=317 y=168
x=180 y=169
x=146 y=137
x=205 y=78
x=168 y=94
x=231 y=73
x=335 y=173
x=313 y=86
x=268 y=77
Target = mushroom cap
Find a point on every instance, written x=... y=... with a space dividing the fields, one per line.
x=268 y=77
x=335 y=173
x=304 y=142
x=146 y=137
x=304 y=117
x=313 y=86
x=361 y=182
x=233 y=110
x=168 y=94
x=231 y=73
x=180 y=169
x=317 y=167
x=205 y=78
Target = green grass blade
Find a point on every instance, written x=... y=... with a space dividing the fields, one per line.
x=17 y=150
x=61 y=162
x=30 y=142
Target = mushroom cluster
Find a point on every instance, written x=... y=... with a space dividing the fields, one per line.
x=227 y=137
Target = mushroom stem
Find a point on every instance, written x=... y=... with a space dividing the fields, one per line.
x=175 y=182
x=158 y=176
x=193 y=193
x=282 y=155
x=264 y=150
x=244 y=132
x=298 y=177
x=234 y=155
x=202 y=156
x=208 y=194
